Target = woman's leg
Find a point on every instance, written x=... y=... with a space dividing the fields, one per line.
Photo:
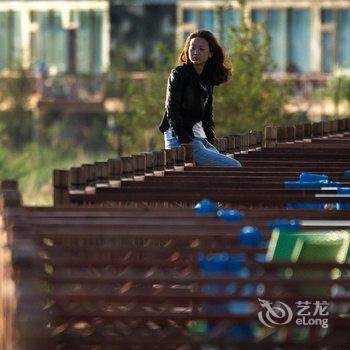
x=208 y=145
x=204 y=155
x=172 y=143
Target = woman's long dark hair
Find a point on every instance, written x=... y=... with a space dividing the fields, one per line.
x=216 y=69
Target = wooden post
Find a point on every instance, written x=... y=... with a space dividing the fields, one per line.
x=290 y=133
x=340 y=130
x=299 y=132
x=101 y=174
x=159 y=162
x=169 y=159
x=179 y=158
x=114 y=168
x=259 y=140
x=149 y=159
x=139 y=161
x=77 y=180
x=60 y=187
x=245 y=143
x=252 y=140
x=307 y=132
x=189 y=161
x=88 y=178
x=281 y=134
x=326 y=129
x=334 y=127
x=22 y=315
x=238 y=143
x=270 y=136
x=230 y=145
x=346 y=126
x=317 y=130
x=30 y=318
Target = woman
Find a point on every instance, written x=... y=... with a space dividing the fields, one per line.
x=188 y=114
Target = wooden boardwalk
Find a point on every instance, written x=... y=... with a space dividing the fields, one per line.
x=119 y=261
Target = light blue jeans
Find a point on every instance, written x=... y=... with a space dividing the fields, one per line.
x=204 y=153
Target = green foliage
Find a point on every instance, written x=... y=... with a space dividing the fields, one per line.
x=250 y=100
x=16 y=90
x=16 y=121
x=33 y=165
x=135 y=129
x=338 y=89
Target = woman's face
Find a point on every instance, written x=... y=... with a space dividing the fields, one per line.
x=199 y=51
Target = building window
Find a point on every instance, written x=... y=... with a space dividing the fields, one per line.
x=207 y=20
x=89 y=42
x=289 y=31
x=327 y=16
x=343 y=39
x=189 y=16
x=10 y=40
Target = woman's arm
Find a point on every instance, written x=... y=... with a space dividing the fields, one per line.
x=175 y=88
x=208 y=121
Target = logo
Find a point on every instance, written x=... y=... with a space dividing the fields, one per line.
x=277 y=314
x=306 y=313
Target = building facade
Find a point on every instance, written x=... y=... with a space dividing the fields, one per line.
x=55 y=36
x=311 y=36
x=138 y=26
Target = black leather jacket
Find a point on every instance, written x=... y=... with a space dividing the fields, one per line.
x=184 y=105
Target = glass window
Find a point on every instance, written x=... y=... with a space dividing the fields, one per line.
x=258 y=16
x=343 y=44
x=83 y=43
x=40 y=40
x=4 y=40
x=206 y=20
x=16 y=39
x=97 y=33
x=57 y=45
x=327 y=16
x=189 y=16
x=327 y=52
x=231 y=18
x=299 y=39
x=277 y=30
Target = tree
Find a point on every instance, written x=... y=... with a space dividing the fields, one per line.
x=150 y=103
x=16 y=120
x=135 y=128
x=250 y=100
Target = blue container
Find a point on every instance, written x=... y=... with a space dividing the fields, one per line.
x=311 y=177
x=215 y=265
x=250 y=236
x=305 y=205
x=237 y=269
x=242 y=332
x=230 y=215
x=342 y=206
x=227 y=265
x=347 y=174
x=310 y=184
x=206 y=207
x=285 y=225
x=235 y=263
x=329 y=183
x=343 y=190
